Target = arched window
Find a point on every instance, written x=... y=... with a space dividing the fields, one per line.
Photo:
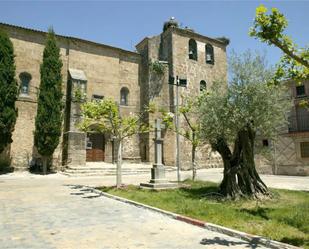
x=192 y=50
x=124 y=94
x=210 y=58
x=25 y=79
x=203 y=86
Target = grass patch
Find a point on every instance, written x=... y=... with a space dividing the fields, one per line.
x=284 y=218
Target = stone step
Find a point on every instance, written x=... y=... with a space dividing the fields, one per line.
x=111 y=171
x=105 y=171
x=101 y=174
x=104 y=168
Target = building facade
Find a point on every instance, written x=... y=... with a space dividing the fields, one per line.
x=290 y=149
x=134 y=79
x=101 y=71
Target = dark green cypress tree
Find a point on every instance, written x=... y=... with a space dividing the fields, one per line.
x=8 y=91
x=48 y=122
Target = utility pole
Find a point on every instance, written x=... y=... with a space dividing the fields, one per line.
x=177 y=131
x=178 y=83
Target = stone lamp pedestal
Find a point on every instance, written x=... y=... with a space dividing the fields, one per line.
x=158 y=180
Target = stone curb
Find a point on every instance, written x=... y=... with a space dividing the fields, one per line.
x=210 y=226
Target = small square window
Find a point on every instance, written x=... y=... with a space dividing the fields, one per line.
x=96 y=97
x=300 y=90
x=265 y=143
x=304 y=149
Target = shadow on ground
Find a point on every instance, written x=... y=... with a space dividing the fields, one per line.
x=83 y=190
x=209 y=192
x=259 y=212
x=223 y=242
x=295 y=241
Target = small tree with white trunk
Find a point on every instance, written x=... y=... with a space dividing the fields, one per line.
x=191 y=129
x=104 y=117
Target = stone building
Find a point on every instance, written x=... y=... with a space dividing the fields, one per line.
x=102 y=71
x=290 y=149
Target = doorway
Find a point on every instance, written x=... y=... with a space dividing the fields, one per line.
x=95 y=147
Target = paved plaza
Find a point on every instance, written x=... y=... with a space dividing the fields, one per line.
x=57 y=211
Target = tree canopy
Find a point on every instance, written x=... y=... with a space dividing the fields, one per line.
x=8 y=91
x=269 y=28
x=104 y=117
x=48 y=122
x=248 y=99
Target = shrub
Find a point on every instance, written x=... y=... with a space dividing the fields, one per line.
x=5 y=165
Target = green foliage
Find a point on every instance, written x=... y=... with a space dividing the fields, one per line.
x=104 y=117
x=283 y=218
x=190 y=112
x=157 y=67
x=249 y=99
x=5 y=165
x=8 y=91
x=151 y=108
x=269 y=28
x=79 y=96
x=48 y=121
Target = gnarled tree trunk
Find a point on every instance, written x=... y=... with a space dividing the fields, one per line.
x=240 y=177
x=249 y=180
x=229 y=186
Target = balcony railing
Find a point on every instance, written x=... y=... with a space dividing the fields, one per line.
x=299 y=123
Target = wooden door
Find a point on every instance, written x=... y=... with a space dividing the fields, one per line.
x=95 y=148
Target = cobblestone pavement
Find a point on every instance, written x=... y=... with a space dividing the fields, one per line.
x=54 y=211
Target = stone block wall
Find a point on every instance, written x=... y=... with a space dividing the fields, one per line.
x=108 y=69
x=195 y=71
x=28 y=50
x=171 y=49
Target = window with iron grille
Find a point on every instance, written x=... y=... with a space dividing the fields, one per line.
x=304 y=149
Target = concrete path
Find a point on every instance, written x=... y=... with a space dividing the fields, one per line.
x=272 y=181
x=55 y=212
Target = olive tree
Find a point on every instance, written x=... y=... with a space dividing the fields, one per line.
x=234 y=115
x=104 y=117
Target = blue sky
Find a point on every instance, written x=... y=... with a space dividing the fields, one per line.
x=124 y=23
